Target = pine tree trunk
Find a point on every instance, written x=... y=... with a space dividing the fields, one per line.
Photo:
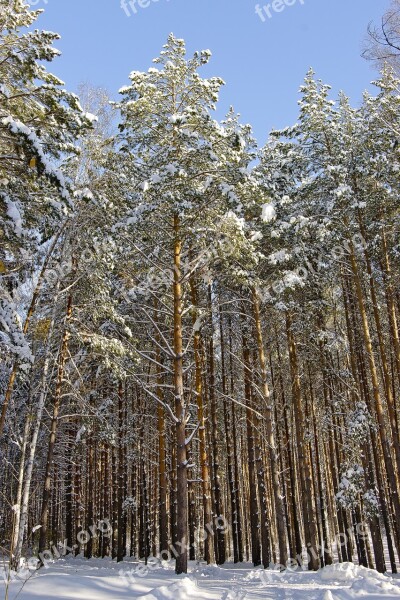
x=114 y=502
x=69 y=498
x=232 y=483
x=162 y=475
x=180 y=411
x=326 y=555
x=53 y=429
x=105 y=548
x=23 y=513
x=237 y=515
x=309 y=516
x=287 y=443
x=269 y=421
x=214 y=432
x=253 y=499
x=17 y=513
x=203 y=454
x=121 y=491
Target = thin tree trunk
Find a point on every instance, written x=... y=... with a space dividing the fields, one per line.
x=272 y=449
x=35 y=434
x=53 y=428
x=203 y=454
x=253 y=503
x=121 y=491
x=230 y=463
x=17 y=512
x=214 y=432
x=180 y=411
x=309 y=516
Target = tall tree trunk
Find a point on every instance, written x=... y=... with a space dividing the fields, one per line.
x=180 y=411
x=272 y=449
x=17 y=504
x=309 y=516
x=121 y=491
x=53 y=428
x=69 y=496
x=253 y=499
x=35 y=433
x=228 y=434
x=214 y=432
x=203 y=454
x=287 y=443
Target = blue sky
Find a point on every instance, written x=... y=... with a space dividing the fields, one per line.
x=262 y=62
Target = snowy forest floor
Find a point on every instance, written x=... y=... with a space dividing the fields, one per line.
x=77 y=578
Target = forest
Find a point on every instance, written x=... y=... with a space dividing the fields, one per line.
x=199 y=336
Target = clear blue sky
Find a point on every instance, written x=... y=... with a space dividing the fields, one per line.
x=263 y=63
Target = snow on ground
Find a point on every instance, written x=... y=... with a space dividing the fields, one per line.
x=77 y=578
